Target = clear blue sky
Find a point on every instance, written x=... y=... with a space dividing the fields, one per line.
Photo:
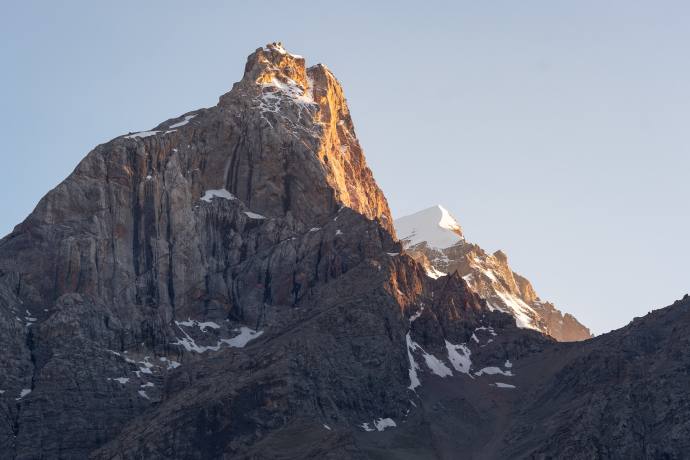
x=558 y=132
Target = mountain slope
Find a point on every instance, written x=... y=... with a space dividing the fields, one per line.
x=622 y=395
x=435 y=240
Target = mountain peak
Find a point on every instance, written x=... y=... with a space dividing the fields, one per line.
x=300 y=108
x=435 y=226
x=500 y=255
x=434 y=239
x=272 y=63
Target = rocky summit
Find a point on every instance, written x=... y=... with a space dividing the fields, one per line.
x=434 y=239
x=229 y=285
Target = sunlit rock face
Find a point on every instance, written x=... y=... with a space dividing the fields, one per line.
x=435 y=240
x=307 y=106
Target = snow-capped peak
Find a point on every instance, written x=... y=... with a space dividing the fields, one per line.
x=434 y=225
x=434 y=239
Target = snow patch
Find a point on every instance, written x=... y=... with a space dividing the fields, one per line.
x=504 y=385
x=417 y=314
x=221 y=193
x=436 y=366
x=245 y=336
x=384 y=423
x=520 y=310
x=189 y=343
x=143 y=393
x=23 y=393
x=291 y=89
x=432 y=362
x=460 y=360
x=122 y=380
x=147 y=366
x=492 y=371
x=433 y=273
x=252 y=215
x=182 y=123
x=488 y=329
x=211 y=324
x=142 y=134
x=278 y=48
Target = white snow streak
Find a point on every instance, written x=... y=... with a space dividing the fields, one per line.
x=504 y=385
x=414 y=379
x=182 y=123
x=142 y=134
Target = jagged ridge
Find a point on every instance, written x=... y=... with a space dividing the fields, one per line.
x=434 y=238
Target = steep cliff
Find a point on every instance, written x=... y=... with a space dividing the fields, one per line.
x=166 y=245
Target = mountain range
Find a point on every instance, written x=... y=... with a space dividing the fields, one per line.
x=229 y=285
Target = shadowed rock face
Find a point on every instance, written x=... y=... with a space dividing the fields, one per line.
x=435 y=240
x=230 y=287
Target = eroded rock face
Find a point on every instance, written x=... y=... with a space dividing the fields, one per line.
x=435 y=240
x=167 y=245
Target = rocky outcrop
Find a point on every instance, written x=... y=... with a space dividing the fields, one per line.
x=435 y=240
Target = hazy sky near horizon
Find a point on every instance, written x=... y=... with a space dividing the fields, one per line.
x=558 y=132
